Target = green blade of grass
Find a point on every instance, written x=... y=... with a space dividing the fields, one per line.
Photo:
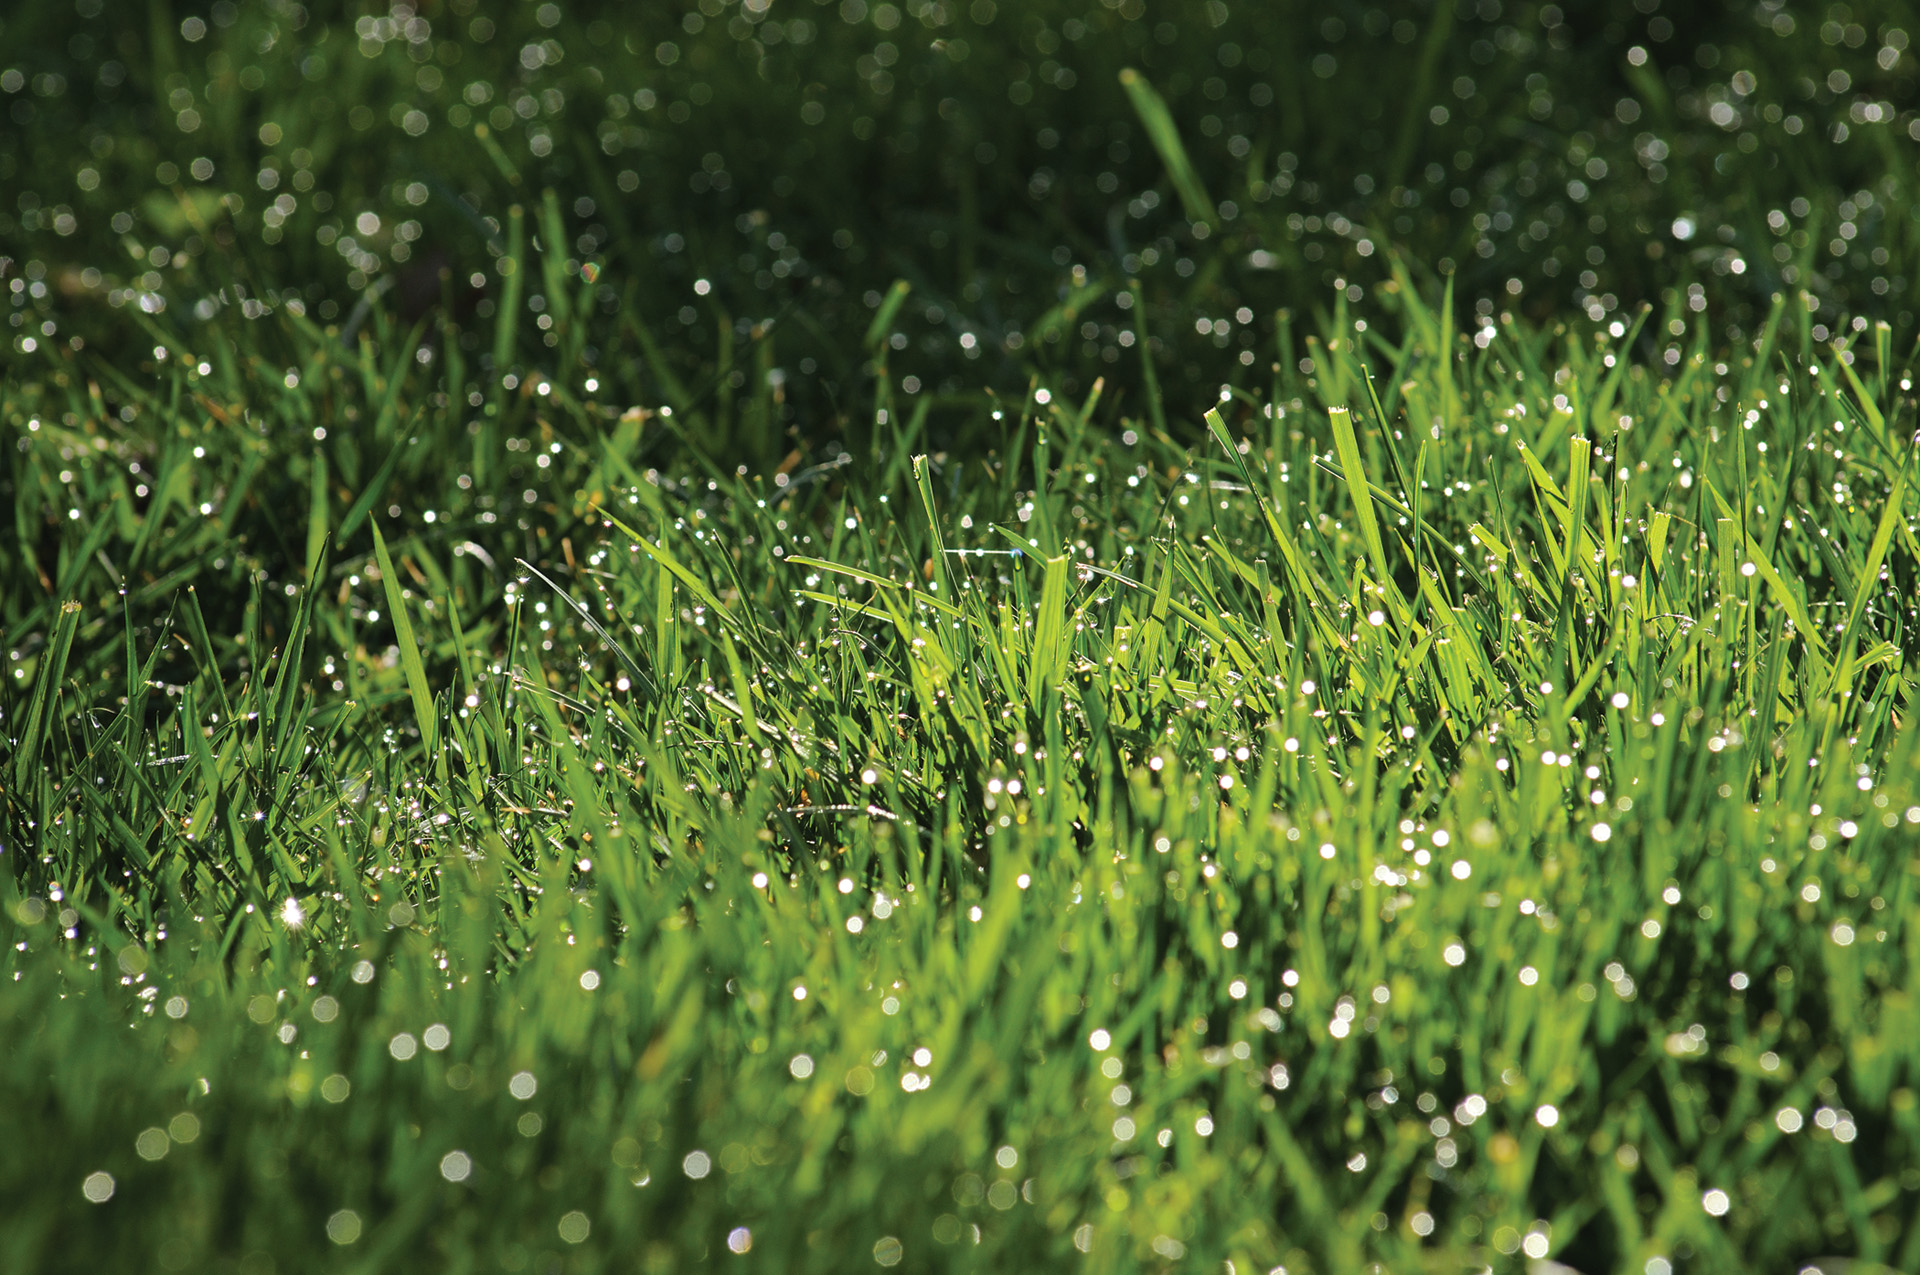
x=318 y=499
x=1297 y=571
x=507 y=318
x=377 y=486
x=424 y=716
x=46 y=696
x=1165 y=136
x=1051 y=637
x=882 y=326
x=1347 y=447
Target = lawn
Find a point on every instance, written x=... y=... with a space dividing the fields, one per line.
x=956 y=636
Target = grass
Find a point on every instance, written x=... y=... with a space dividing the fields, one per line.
x=1218 y=819
x=1556 y=159
x=1439 y=793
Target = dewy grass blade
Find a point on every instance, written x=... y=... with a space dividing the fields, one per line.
x=424 y=716
x=1580 y=463
x=579 y=608
x=1789 y=600
x=1347 y=447
x=1656 y=538
x=289 y=677
x=1891 y=514
x=942 y=579
x=46 y=696
x=1302 y=579
x=679 y=571
x=1052 y=637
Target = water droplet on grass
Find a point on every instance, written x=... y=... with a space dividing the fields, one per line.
x=344 y=1227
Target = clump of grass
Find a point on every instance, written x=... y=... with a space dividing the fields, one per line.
x=1459 y=811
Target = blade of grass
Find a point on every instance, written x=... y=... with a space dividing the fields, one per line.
x=424 y=715
x=1165 y=136
x=1347 y=447
x=41 y=708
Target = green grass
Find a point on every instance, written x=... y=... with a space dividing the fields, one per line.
x=1558 y=159
x=1348 y=800
x=1394 y=781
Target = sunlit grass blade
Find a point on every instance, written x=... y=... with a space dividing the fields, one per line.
x=586 y=617
x=1353 y=471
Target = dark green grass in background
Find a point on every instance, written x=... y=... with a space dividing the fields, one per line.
x=631 y=642
x=801 y=156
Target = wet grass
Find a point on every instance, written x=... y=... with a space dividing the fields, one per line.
x=947 y=773
x=1473 y=825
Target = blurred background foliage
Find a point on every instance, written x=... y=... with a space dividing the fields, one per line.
x=800 y=156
